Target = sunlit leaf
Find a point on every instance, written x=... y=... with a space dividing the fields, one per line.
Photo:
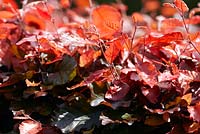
x=187 y=98
x=171 y=23
x=111 y=53
x=194 y=127
x=165 y=39
x=106 y=25
x=99 y=75
x=88 y=57
x=33 y=21
x=195 y=112
x=43 y=13
x=30 y=127
x=6 y=15
x=181 y=5
x=32 y=84
x=146 y=71
x=11 y=2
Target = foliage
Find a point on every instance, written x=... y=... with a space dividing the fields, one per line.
x=81 y=67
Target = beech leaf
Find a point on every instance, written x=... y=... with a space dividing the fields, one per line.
x=107 y=25
x=118 y=91
x=195 y=112
x=111 y=53
x=30 y=127
x=181 y=5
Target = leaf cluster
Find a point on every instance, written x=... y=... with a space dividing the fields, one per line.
x=81 y=67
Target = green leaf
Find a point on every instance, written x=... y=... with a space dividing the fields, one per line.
x=65 y=72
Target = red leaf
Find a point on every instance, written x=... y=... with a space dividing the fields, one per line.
x=146 y=71
x=181 y=5
x=151 y=94
x=193 y=20
x=43 y=13
x=11 y=2
x=166 y=76
x=195 y=112
x=185 y=77
x=118 y=91
x=107 y=19
x=13 y=79
x=99 y=75
x=30 y=127
x=159 y=40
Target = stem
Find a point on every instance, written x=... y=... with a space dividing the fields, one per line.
x=181 y=13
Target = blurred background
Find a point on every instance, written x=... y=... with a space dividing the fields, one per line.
x=151 y=7
x=137 y=5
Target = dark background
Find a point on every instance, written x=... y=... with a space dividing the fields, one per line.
x=136 y=5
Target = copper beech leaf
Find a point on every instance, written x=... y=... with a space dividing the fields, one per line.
x=195 y=112
x=118 y=91
x=6 y=15
x=146 y=71
x=30 y=127
x=165 y=39
x=113 y=50
x=43 y=13
x=88 y=57
x=107 y=20
x=172 y=23
x=181 y=5
x=151 y=94
x=99 y=75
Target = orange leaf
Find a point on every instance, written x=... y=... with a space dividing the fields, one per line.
x=65 y=3
x=171 y=22
x=107 y=19
x=33 y=21
x=82 y=3
x=181 y=5
x=88 y=57
x=113 y=50
x=187 y=98
x=165 y=39
x=32 y=84
x=6 y=15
